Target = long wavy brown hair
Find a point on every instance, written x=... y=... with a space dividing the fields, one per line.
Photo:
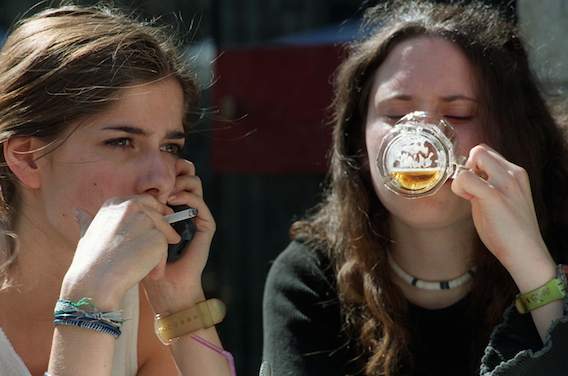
x=352 y=224
x=64 y=64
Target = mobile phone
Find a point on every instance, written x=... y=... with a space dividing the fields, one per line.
x=182 y=221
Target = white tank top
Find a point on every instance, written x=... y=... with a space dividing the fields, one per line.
x=125 y=361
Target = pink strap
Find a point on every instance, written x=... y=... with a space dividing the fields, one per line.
x=227 y=355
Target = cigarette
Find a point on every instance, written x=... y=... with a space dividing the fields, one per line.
x=181 y=215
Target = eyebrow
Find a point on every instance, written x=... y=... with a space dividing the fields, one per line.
x=449 y=98
x=141 y=132
x=453 y=98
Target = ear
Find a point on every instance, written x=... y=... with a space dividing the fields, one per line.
x=20 y=154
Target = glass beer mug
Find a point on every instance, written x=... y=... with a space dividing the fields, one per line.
x=418 y=155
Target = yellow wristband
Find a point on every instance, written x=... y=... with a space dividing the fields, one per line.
x=553 y=290
x=201 y=316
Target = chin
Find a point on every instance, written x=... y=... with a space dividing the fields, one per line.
x=440 y=210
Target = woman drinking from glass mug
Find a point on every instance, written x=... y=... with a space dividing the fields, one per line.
x=457 y=276
x=94 y=109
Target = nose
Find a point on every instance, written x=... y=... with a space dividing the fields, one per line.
x=157 y=175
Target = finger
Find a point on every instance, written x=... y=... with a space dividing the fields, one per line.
x=498 y=156
x=190 y=183
x=184 y=167
x=487 y=166
x=155 y=245
x=139 y=201
x=517 y=172
x=153 y=210
x=162 y=225
x=159 y=270
x=83 y=219
x=507 y=176
x=469 y=185
x=152 y=202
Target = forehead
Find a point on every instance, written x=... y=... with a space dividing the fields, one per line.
x=152 y=106
x=163 y=99
x=425 y=66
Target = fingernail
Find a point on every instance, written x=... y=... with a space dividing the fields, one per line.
x=172 y=198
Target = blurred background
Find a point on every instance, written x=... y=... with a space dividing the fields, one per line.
x=265 y=68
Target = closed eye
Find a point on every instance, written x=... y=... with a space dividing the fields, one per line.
x=458 y=118
x=393 y=117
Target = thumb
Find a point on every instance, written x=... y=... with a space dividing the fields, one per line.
x=159 y=270
x=83 y=219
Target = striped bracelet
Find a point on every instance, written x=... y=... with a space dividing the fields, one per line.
x=83 y=314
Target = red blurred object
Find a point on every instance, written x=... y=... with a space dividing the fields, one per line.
x=280 y=97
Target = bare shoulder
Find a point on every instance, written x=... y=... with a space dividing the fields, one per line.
x=153 y=357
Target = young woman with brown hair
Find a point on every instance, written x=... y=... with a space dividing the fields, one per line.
x=375 y=283
x=94 y=109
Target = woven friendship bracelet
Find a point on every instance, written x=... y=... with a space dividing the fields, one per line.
x=97 y=326
x=64 y=306
x=84 y=314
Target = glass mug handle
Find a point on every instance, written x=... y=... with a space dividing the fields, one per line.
x=459 y=165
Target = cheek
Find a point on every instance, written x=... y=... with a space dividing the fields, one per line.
x=96 y=185
x=374 y=134
x=468 y=137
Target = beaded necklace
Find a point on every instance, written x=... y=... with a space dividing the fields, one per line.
x=430 y=285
